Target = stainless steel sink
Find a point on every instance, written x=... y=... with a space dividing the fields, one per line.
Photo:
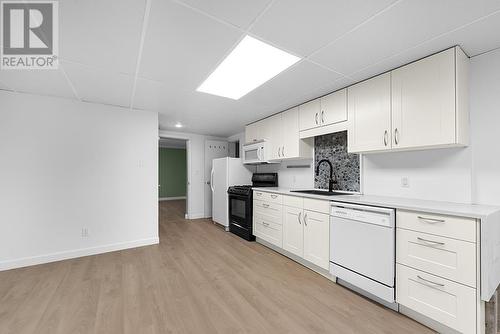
x=319 y=192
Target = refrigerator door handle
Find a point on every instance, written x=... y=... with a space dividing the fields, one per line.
x=212 y=180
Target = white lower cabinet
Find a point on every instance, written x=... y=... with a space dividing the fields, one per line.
x=447 y=302
x=317 y=238
x=303 y=229
x=293 y=231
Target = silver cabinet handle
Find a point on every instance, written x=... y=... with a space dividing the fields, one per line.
x=316 y=118
x=322 y=116
x=396 y=136
x=430 y=241
x=265 y=205
x=300 y=215
x=274 y=196
x=305 y=219
x=258 y=194
x=385 y=137
x=265 y=224
x=430 y=282
x=283 y=151
x=431 y=220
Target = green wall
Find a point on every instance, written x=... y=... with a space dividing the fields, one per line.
x=172 y=172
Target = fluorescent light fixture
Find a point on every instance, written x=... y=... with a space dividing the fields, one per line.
x=178 y=125
x=248 y=66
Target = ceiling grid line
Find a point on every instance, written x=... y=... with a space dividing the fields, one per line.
x=70 y=84
x=145 y=24
x=430 y=40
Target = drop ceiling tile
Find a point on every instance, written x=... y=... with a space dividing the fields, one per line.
x=103 y=34
x=304 y=26
x=42 y=82
x=405 y=25
x=238 y=12
x=477 y=38
x=291 y=84
x=376 y=69
x=182 y=47
x=100 y=86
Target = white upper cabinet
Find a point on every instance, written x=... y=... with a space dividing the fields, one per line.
x=369 y=106
x=423 y=102
x=309 y=115
x=318 y=116
x=252 y=132
x=275 y=137
x=425 y=106
x=334 y=107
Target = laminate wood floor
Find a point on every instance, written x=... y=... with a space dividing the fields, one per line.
x=199 y=279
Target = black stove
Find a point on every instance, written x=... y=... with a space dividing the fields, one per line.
x=241 y=204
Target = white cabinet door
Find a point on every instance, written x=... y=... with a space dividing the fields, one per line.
x=293 y=232
x=369 y=109
x=317 y=238
x=309 y=115
x=334 y=107
x=252 y=133
x=290 y=130
x=423 y=102
x=275 y=136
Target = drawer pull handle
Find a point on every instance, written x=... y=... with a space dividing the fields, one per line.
x=265 y=224
x=431 y=220
x=430 y=241
x=265 y=205
x=274 y=196
x=430 y=282
x=258 y=194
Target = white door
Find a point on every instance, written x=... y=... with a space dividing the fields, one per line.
x=423 y=102
x=309 y=114
x=293 y=231
x=369 y=109
x=275 y=137
x=334 y=107
x=317 y=238
x=214 y=149
x=291 y=140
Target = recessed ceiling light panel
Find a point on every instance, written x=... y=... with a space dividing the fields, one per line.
x=247 y=67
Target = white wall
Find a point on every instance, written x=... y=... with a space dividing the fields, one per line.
x=485 y=126
x=196 y=170
x=67 y=165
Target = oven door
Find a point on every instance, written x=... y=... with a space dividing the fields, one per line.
x=240 y=215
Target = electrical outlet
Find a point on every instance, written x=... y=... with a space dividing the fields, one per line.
x=405 y=182
x=85 y=232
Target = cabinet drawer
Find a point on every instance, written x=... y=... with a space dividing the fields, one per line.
x=293 y=201
x=449 y=303
x=266 y=229
x=317 y=205
x=446 y=226
x=268 y=208
x=449 y=258
x=270 y=197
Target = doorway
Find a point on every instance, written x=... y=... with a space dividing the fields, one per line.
x=173 y=177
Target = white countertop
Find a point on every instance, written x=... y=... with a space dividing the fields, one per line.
x=446 y=208
x=489 y=217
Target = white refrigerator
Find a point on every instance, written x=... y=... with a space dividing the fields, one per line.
x=226 y=172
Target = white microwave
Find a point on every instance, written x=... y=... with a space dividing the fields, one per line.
x=255 y=153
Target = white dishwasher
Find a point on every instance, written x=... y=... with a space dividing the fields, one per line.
x=362 y=248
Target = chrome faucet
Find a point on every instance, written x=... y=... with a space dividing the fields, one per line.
x=333 y=179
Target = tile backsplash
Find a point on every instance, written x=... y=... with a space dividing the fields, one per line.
x=345 y=165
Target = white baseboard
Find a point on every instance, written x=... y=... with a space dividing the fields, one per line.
x=171 y=198
x=59 y=256
x=195 y=216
